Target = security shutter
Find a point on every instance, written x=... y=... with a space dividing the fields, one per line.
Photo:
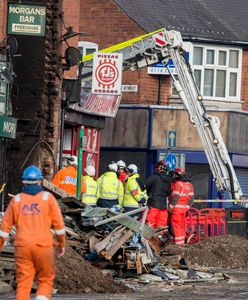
x=242 y=175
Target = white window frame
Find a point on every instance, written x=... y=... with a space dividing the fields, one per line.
x=215 y=67
x=83 y=46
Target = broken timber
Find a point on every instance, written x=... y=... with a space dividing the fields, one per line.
x=146 y=231
x=66 y=198
x=114 y=247
x=116 y=217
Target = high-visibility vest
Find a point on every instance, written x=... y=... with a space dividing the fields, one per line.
x=183 y=191
x=110 y=188
x=133 y=193
x=89 y=197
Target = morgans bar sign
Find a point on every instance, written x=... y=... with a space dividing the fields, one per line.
x=8 y=127
x=26 y=19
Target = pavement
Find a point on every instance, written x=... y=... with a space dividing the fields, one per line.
x=234 y=287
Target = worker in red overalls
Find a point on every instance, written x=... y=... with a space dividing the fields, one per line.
x=180 y=200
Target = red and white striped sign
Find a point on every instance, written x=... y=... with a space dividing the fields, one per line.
x=159 y=39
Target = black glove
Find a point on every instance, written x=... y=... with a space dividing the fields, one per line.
x=142 y=201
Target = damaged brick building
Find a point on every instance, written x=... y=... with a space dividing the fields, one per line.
x=152 y=107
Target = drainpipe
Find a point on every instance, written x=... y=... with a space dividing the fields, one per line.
x=159 y=90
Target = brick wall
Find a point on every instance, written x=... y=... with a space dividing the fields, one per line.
x=106 y=24
x=71 y=9
x=244 y=81
x=35 y=98
x=3 y=19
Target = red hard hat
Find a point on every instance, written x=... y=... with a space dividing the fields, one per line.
x=179 y=171
x=160 y=165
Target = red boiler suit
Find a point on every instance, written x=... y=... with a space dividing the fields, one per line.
x=181 y=198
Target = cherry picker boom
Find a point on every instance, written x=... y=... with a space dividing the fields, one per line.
x=145 y=51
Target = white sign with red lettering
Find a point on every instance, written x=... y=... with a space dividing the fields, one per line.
x=107 y=73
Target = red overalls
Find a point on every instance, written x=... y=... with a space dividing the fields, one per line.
x=181 y=194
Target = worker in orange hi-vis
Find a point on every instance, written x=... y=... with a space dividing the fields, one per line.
x=66 y=178
x=34 y=212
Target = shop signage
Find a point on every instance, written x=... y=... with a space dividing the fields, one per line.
x=8 y=127
x=107 y=73
x=26 y=19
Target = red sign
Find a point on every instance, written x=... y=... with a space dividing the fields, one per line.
x=160 y=39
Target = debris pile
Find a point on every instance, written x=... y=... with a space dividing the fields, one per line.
x=103 y=241
x=228 y=251
x=7 y=270
x=75 y=274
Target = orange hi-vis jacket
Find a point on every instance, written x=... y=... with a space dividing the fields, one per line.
x=66 y=179
x=182 y=195
x=33 y=216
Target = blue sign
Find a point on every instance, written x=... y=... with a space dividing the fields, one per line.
x=171 y=139
x=160 y=68
x=171 y=161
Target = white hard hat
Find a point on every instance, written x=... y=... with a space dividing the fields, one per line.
x=132 y=169
x=90 y=170
x=121 y=164
x=73 y=160
x=113 y=167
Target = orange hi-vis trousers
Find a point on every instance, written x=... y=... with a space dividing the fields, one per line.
x=33 y=259
x=178 y=228
x=157 y=217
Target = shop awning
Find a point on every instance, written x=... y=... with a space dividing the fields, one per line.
x=102 y=105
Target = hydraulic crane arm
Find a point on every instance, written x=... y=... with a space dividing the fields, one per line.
x=144 y=51
x=208 y=126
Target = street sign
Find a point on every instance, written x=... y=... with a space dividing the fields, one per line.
x=161 y=69
x=171 y=138
x=131 y=88
x=26 y=19
x=171 y=161
x=8 y=127
x=107 y=73
x=3 y=88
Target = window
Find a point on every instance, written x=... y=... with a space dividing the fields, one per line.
x=217 y=71
x=87 y=47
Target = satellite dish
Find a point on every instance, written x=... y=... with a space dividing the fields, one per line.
x=12 y=45
x=72 y=56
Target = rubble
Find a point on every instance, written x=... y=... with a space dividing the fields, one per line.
x=75 y=274
x=104 y=245
x=229 y=251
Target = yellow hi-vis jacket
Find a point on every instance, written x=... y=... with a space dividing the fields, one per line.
x=89 y=197
x=110 y=187
x=133 y=193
